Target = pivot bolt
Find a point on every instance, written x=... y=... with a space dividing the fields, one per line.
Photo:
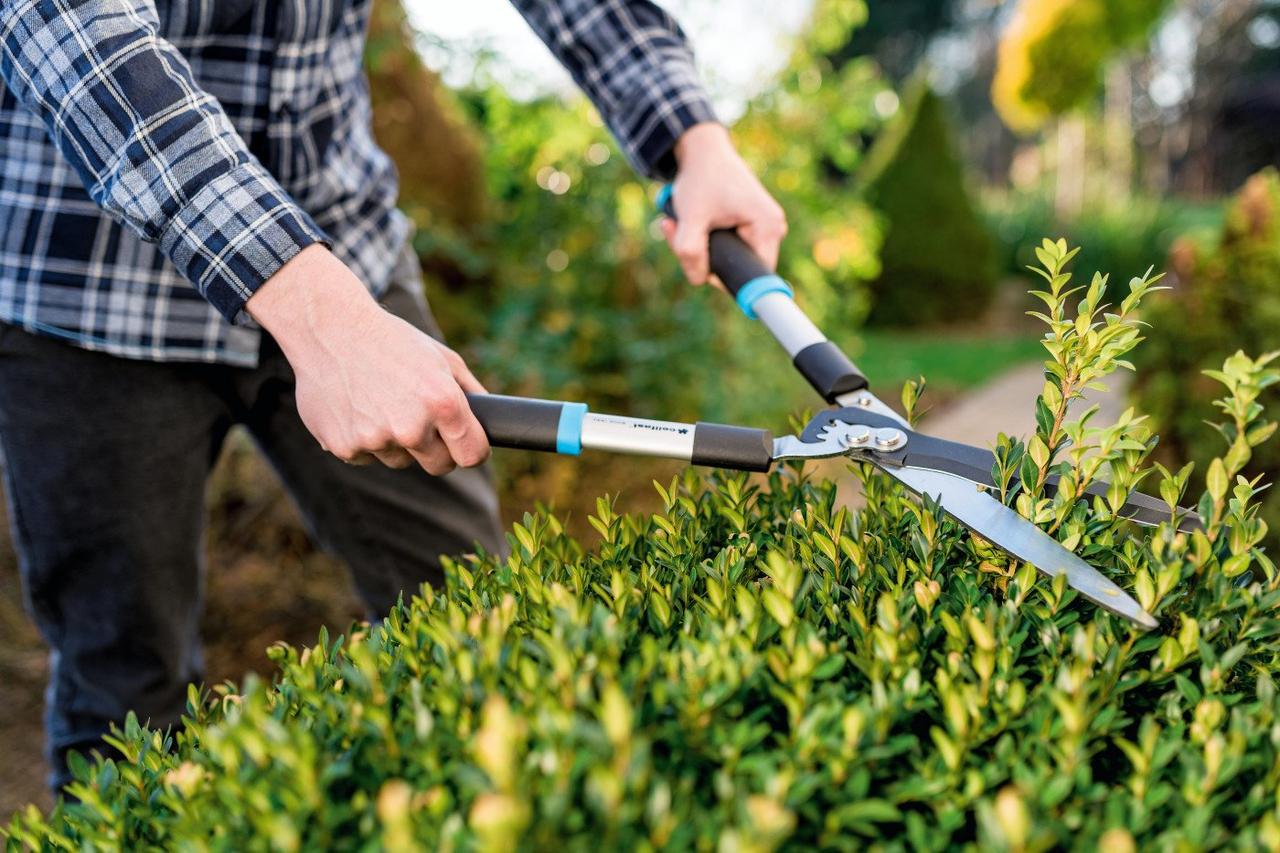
x=858 y=436
x=888 y=438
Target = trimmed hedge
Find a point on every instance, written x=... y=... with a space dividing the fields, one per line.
x=914 y=178
x=757 y=668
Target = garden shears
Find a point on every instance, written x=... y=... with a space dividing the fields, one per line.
x=860 y=427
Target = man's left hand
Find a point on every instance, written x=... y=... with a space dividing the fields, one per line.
x=713 y=189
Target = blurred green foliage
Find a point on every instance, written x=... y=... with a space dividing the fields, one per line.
x=752 y=669
x=915 y=179
x=443 y=193
x=1125 y=235
x=1053 y=53
x=1225 y=296
x=564 y=287
x=897 y=33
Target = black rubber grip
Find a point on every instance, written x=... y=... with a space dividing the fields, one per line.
x=739 y=448
x=732 y=260
x=829 y=370
x=520 y=423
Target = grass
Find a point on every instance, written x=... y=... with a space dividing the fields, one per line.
x=949 y=361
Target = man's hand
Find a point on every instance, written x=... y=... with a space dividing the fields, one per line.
x=368 y=383
x=714 y=189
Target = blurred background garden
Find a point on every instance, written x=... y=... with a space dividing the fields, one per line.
x=921 y=148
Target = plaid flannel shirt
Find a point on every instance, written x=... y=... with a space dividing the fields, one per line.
x=147 y=146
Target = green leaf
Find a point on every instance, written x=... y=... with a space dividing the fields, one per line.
x=1216 y=480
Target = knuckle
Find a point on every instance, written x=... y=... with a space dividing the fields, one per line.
x=372 y=438
x=409 y=435
x=446 y=407
x=775 y=220
x=687 y=253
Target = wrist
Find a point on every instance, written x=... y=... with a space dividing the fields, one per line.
x=308 y=299
x=700 y=139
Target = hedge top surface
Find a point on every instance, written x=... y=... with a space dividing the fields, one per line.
x=757 y=668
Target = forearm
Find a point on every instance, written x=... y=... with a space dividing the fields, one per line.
x=152 y=149
x=310 y=302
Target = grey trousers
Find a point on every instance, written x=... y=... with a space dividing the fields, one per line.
x=105 y=468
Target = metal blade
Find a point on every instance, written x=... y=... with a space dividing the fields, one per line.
x=975 y=463
x=791 y=447
x=986 y=516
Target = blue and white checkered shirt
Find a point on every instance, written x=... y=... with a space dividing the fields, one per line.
x=150 y=145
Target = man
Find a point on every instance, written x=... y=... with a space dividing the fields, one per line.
x=177 y=176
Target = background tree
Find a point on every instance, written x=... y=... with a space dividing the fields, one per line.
x=1053 y=56
x=897 y=34
x=914 y=178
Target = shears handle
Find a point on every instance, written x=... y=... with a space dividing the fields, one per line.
x=524 y=423
x=764 y=295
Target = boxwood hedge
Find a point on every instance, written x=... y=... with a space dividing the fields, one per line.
x=756 y=667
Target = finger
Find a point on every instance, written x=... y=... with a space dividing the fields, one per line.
x=669 y=229
x=668 y=226
x=394 y=457
x=459 y=430
x=433 y=456
x=764 y=236
x=461 y=373
x=359 y=458
x=690 y=245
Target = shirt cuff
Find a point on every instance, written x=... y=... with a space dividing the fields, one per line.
x=649 y=129
x=657 y=150
x=235 y=234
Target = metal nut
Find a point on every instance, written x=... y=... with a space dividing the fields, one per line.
x=888 y=438
x=857 y=436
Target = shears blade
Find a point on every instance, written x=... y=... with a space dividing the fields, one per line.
x=975 y=464
x=977 y=510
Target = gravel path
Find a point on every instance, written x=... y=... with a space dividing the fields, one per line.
x=1007 y=405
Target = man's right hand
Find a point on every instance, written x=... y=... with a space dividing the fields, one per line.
x=368 y=383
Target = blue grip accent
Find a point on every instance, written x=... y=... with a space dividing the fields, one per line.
x=664 y=196
x=569 y=433
x=757 y=287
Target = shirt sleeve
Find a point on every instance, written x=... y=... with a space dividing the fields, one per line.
x=153 y=150
x=633 y=61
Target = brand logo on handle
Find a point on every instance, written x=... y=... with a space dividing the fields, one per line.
x=649 y=426
x=678 y=430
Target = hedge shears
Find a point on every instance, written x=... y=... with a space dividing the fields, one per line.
x=860 y=427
